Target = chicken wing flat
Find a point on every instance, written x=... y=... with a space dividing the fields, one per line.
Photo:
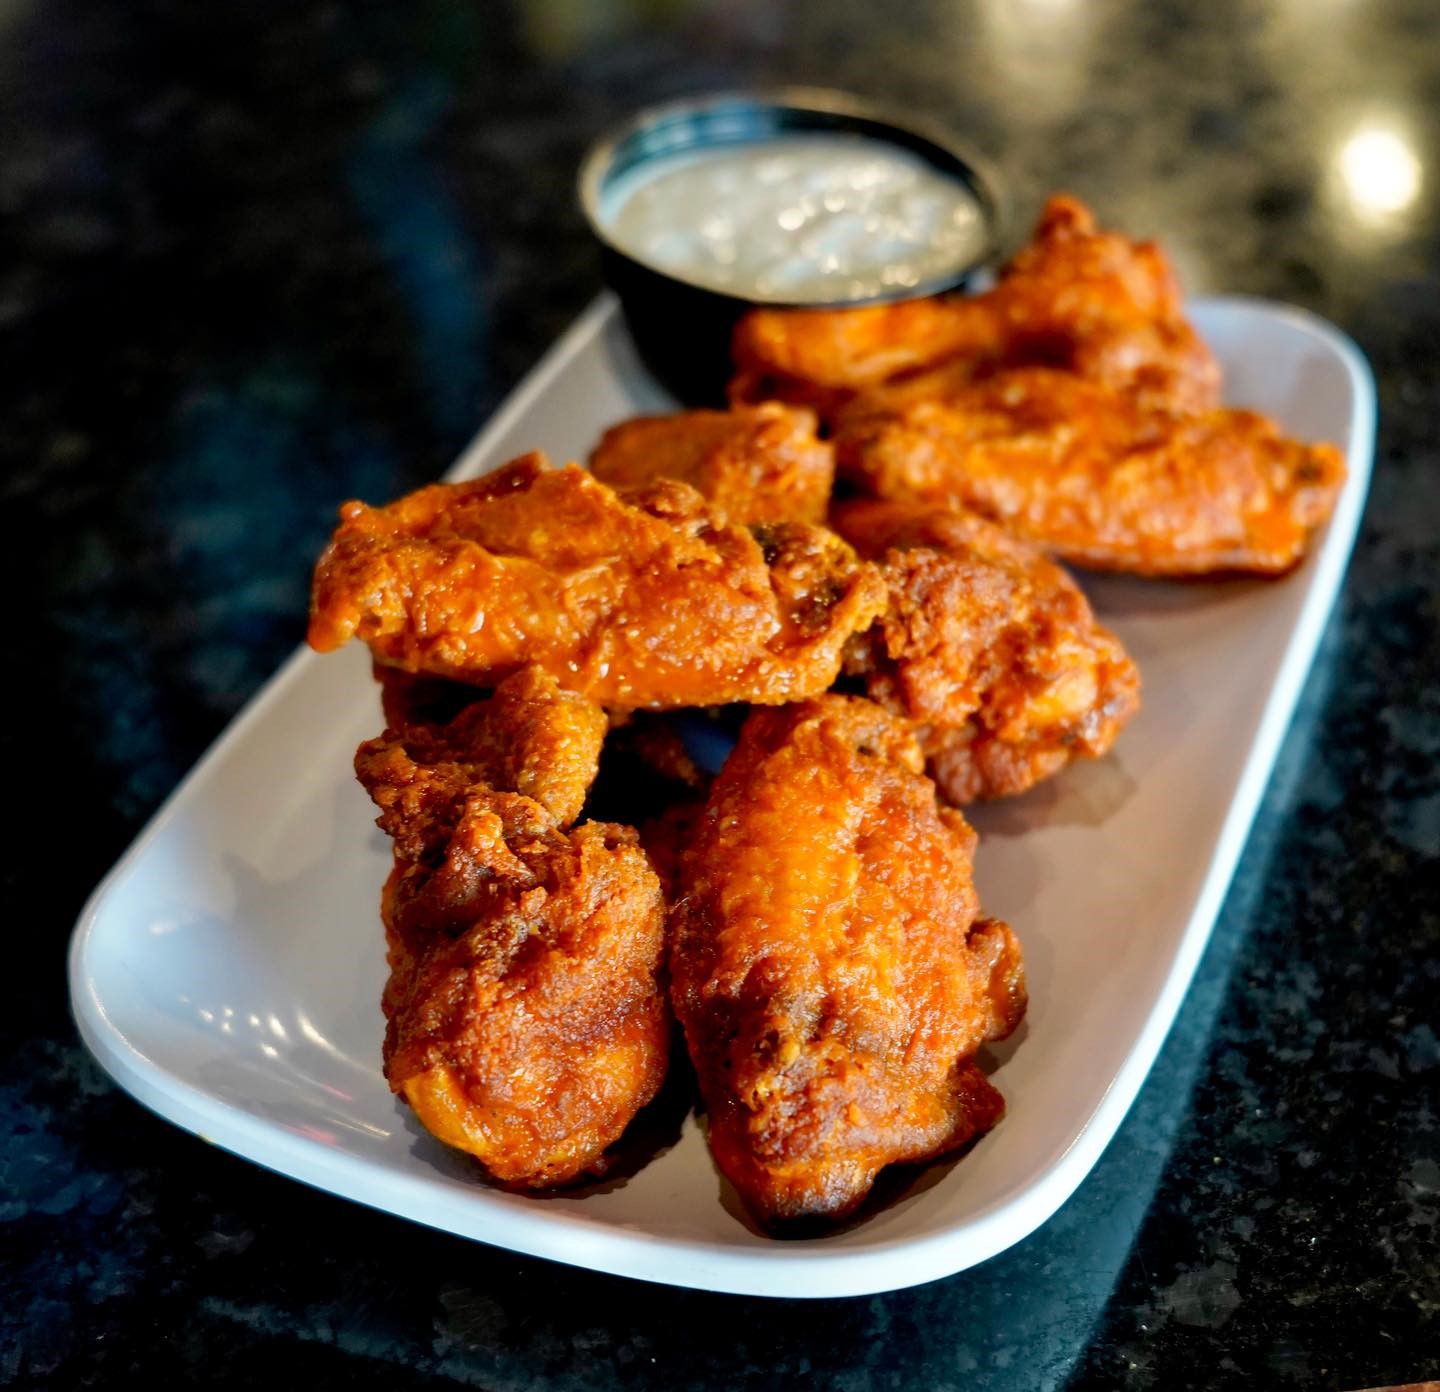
x=641 y=601
x=753 y=464
x=1077 y=297
x=1091 y=474
x=828 y=965
x=526 y=1022
x=989 y=646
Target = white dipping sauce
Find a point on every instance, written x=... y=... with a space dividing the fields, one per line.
x=798 y=218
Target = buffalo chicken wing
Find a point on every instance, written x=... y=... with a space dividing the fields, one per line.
x=753 y=464
x=526 y=1023
x=1089 y=301
x=1091 y=474
x=641 y=601
x=829 y=966
x=988 y=646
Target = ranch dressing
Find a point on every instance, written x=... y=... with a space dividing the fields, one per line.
x=801 y=219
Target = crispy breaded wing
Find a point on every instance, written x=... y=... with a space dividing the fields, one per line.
x=1092 y=475
x=529 y=737
x=1076 y=297
x=531 y=1027
x=989 y=646
x=829 y=967
x=526 y=1020
x=753 y=464
x=648 y=600
x=820 y=358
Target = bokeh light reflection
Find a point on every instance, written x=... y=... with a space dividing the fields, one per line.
x=1379 y=173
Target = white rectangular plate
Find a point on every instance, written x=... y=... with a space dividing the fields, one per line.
x=228 y=970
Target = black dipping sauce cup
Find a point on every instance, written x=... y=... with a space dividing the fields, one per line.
x=682 y=330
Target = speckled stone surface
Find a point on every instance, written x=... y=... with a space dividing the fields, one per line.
x=254 y=259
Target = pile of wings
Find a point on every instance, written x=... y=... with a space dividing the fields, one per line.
x=860 y=556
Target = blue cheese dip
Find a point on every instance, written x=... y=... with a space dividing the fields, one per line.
x=798 y=219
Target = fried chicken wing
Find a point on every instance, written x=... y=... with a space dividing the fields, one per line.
x=642 y=601
x=990 y=647
x=529 y=737
x=1090 y=301
x=753 y=464
x=526 y=1023
x=531 y=1027
x=1091 y=474
x=828 y=965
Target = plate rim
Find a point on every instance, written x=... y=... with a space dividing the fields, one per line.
x=818 y=1270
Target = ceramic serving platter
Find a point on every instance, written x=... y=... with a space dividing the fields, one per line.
x=228 y=970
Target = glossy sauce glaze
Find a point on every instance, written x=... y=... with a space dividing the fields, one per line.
x=801 y=219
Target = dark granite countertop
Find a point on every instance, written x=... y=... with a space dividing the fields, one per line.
x=259 y=258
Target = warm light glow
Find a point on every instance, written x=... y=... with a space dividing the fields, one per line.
x=1381 y=173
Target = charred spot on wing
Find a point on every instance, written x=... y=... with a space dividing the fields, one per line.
x=768 y=541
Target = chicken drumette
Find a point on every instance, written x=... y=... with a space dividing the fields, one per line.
x=526 y=1019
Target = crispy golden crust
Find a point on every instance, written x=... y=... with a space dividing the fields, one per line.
x=640 y=601
x=527 y=1022
x=1091 y=474
x=820 y=358
x=989 y=646
x=1092 y=302
x=529 y=737
x=828 y=966
x=756 y=464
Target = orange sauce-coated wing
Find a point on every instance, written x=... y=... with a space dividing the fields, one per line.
x=753 y=464
x=1090 y=301
x=526 y=1020
x=819 y=358
x=829 y=967
x=528 y=737
x=528 y=1026
x=989 y=646
x=1093 y=475
x=645 y=601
